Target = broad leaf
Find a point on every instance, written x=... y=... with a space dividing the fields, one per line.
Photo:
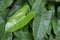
x=40 y=25
x=41 y=20
x=23 y=34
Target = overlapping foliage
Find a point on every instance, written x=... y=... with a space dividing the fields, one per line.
x=29 y=19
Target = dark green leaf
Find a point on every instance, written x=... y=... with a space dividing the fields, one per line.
x=41 y=20
x=23 y=34
x=40 y=25
x=8 y=36
x=16 y=39
x=31 y=2
x=51 y=37
x=4 y=4
x=55 y=25
x=49 y=29
x=2 y=31
x=16 y=6
x=58 y=13
x=4 y=14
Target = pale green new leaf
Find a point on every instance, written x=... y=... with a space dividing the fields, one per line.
x=18 y=24
x=17 y=17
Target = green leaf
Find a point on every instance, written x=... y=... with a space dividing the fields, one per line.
x=58 y=28
x=58 y=12
x=8 y=36
x=55 y=25
x=19 y=32
x=16 y=39
x=4 y=14
x=3 y=34
x=16 y=18
x=22 y=22
x=40 y=8
x=16 y=6
x=40 y=25
x=4 y=4
x=2 y=31
x=20 y=19
x=23 y=34
x=46 y=37
x=31 y=2
x=42 y=19
x=57 y=37
x=51 y=37
x=49 y=29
